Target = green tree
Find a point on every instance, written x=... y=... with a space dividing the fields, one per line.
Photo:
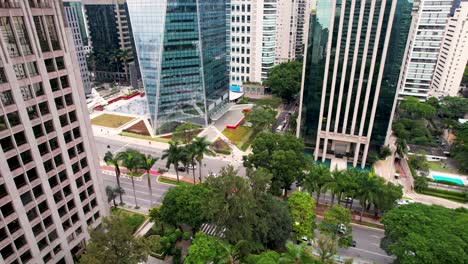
x=334 y=216
x=173 y=156
x=419 y=161
x=261 y=118
x=459 y=149
x=113 y=192
x=201 y=148
x=131 y=159
x=453 y=107
x=297 y=254
x=327 y=248
x=302 y=210
x=231 y=204
x=317 y=179
x=189 y=152
x=417 y=109
x=285 y=79
x=114 y=243
x=267 y=257
x=418 y=233
x=282 y=155
x=420 y=183
x=370 y=186
x=146 y=163
x=184 y=205
x=204 y=249
x=110 y=159
x=185 y=132
x=389 y=194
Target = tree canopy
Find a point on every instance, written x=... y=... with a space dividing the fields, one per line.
x=204 y=249
x=281 y=155
x=284 y=79
x=418 y=233
x=114 y=243
x=334 y=216
x=417 y=109
x=459 y=149
x=261 y=117
x=302 y=209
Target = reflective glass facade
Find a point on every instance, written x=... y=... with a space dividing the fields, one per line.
x=181 y=48
x=353 y=61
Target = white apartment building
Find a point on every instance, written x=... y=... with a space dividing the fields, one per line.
x=50 y=192
x=426 y=35
x=291 y=29
x=453 y=55
x=252 y=40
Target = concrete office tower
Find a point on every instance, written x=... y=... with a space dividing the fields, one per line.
x=352 y=65
x=73 y=21
x=181 y=47
x=253 y=40
x=291 y=29
x=111 y=38
x=50 y=193
x=453 y=55
x=426 y=34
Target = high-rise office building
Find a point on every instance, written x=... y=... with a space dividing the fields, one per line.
x=111 y=39
x=252 y=40
x=426 y=34
x=453 y=54
x=352 y=66
x=181 y=48
x=50 y=193
x=291 y=29
x=73 y=21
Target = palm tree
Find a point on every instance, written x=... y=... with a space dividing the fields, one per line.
x=146 y=164
x=326 y=247
x=296 y=254
x=333 y=184
x=190 y=155
x=174 y=156
x=131 y=158
x=113 y=192
x=317 y=178
x=201 y=148
x=368 y=190
x=229 y=254
x=110 y=159
x=124 y=56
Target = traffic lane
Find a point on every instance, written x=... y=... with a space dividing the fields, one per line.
x=210 y=164
x=367 y=245
x=141 y=189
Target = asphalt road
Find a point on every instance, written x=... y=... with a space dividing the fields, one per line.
x=367 y=246
x=210 y=164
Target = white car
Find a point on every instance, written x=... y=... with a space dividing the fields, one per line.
x=404 y=202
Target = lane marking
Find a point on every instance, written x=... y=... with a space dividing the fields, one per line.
x=371 y=252
x=376 y=236
x=124 y=146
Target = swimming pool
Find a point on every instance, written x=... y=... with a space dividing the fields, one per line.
x=449 y=179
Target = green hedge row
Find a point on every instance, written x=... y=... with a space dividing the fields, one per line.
x=446 y=192
x=445 y=196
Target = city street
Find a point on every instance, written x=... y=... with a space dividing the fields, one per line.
x=367 y=245
x=211 y=164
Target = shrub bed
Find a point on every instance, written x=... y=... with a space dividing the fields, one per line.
x=221 y=147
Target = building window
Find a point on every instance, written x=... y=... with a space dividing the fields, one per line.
x=41 y=33
x=32 y=68
x=54 y=40
x=20 y=71
x=7 y=98
x=9 y=36
x=22 y=34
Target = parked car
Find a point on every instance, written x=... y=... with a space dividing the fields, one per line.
x=182 y=169
x=354 y=243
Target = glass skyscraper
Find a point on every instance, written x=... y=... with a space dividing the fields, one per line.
x=352 y=66
x=181 y=48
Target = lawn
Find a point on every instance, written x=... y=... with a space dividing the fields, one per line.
x=110 y=120
x=134 y=220
x=173 y=182
x=438 y=166
x=241 y=136
x=273 y=102
x=133 y=135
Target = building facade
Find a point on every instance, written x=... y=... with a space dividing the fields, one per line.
x=50 y=193
x=181 y=47
x=252 y=40
x=291 y=29
x=111 y=39
x=453 y=55
x=351 y=75
x=426 y=34
x=73 y=21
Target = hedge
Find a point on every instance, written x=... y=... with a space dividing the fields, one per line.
x=445 y=196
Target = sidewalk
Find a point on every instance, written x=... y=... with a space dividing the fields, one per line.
x=366 y=217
